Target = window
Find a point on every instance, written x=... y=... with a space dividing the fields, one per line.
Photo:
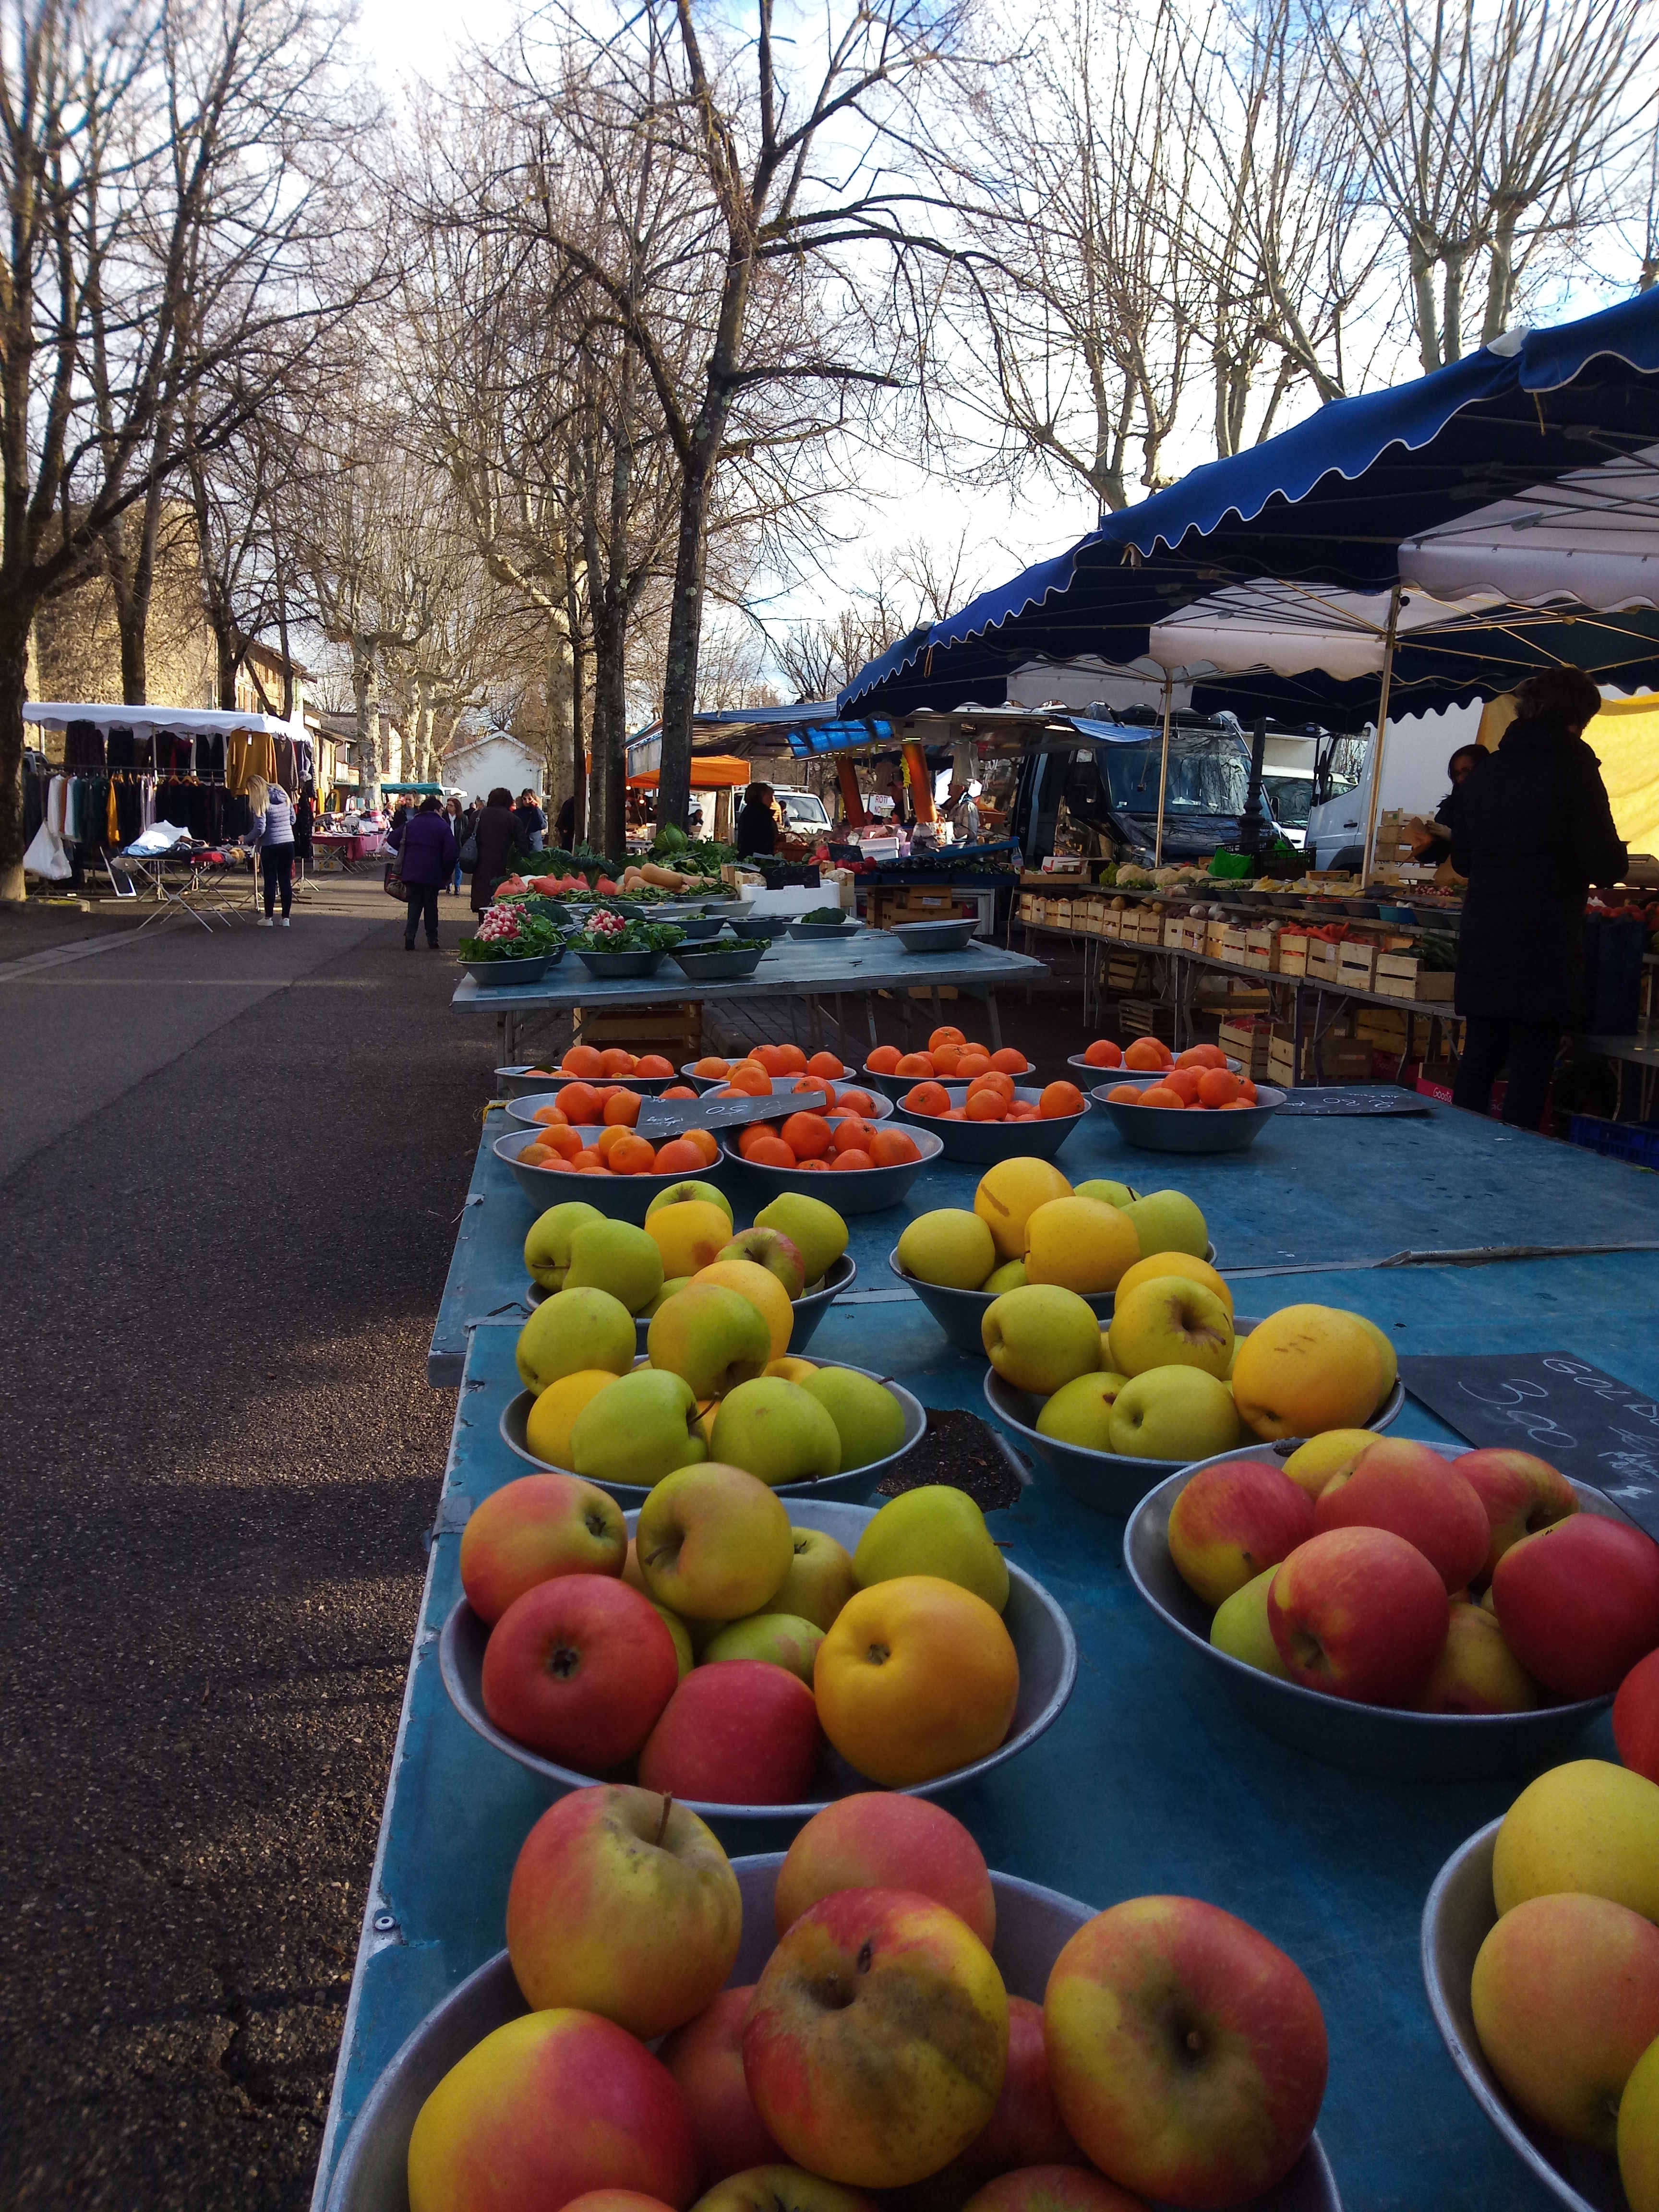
x=1211 y=776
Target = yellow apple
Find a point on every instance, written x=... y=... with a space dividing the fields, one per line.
x=763 y=1292
x=688 y=1235
x=1080 y=1244
x=550 y=1419
x=1010 y=1193
x=1313 y=1464
x=1170 y=1323
x=949 y=1246
x=1175 y=1263
x=1589 y=1826
x=1039 y=1337
x=1306 y=1369
x=1174 y=1412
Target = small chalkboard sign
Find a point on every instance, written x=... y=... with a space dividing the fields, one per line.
x=1592 y=1426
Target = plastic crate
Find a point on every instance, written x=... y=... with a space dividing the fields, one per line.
x=1632 y=1142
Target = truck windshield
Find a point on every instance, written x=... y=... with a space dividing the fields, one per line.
x=1213 y=778
x=1291 y=796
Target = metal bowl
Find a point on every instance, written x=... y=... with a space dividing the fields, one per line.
x=522 y=1108
x=865 y=1190
x=615 y=967
x=924 y=937
x=960 y=1314
x=1033 y=1926
x=698 y=927
x=851 y=1487
x=624 y=1197
x=721 y=963
x=895 y=1086
x=1459 y=1916
x=688 y=1074
x=783 y=1090
x=1106 y=1480
x=500 y=974
x=1041 y=1636
x=809 y=1308
x=1128 y=1074
x=1158 y=1129
x=981 y=1143
x=542 y=1084
x=763 y=925
x=1381 y=1740
x=821 y=932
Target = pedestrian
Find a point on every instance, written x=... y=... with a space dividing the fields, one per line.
x=757 y=824
x=304 y=818
x=427 y=846
x=1432 y=844
x=271 y=836
x=496 y=836
x=1531 y=831
x=458 y=830
x=565 y=832
x=532 y=822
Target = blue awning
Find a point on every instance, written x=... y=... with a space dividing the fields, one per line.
x=1329 y=501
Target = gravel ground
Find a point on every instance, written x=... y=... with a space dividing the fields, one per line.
x=223 y=1452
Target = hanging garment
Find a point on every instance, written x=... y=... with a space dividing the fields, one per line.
x=83 y=744
x=249 y=753
x=120 y=746
x=284 y=748
x=210 y=754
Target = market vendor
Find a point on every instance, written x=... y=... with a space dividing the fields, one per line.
x=1531 y=833
x=962 y=812
x=757 y=823
x=1426 y=846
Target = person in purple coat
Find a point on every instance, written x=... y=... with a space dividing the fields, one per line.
x=427 y=846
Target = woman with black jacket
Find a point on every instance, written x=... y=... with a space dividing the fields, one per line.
x=498 y=836
x=1531 y=833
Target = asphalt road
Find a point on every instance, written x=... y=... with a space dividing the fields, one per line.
x=231 y=1171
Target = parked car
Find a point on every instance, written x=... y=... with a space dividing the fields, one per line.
x=1106 y=781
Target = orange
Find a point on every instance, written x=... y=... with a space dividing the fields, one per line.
x=580 y=1103
x=552 y=1118
x=1023 y=1109
x=653 y=1065
x=944 y=1057
x=824 y=1063
x=916 y=1676
x=623 y=1109
x=679 y=1091
x=589 y=1163
x=927 y=1098
x=976 y=1061
x=534 y=1155
x=1184 y=1082
x=634 y=1156
x=582 y=1059
x=770 y=1057
x=913 y=1063
x=819 y=1083
x=565 y=1142
x=792 y=1061
x=814 y=1167
x=753 y=1135
x=609 y=1137
x=1247 y=1091
x=852 y=1135
x=1217 y=1087
x=677 y=1156
x=1008 y=1061
x=883 y=1060
x=1001 y=1084
x=855 y=1159
x=986 y=1106
x=771 y=1152
x=1103 y=1052
x=1234 y=1106
x=711 y=1066
x=749 y=1081
x=893 y=1148
x=946 y=1033
x=1059 y=1099
x=807 y=1135
x=706 y=1142
x=1125 y=1094
x=616 y=1061
x=1159 y=1094
x=1143 y=1055
x=856 y=1102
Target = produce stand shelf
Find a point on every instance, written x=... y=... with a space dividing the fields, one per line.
x=1149 y=1782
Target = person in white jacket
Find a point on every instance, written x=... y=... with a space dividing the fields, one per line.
x=272 y=837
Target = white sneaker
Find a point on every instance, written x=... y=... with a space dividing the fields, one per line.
x=266 y=922
x=284 y=921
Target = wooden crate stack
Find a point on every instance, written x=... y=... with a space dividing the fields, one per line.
x=891 y=905
x=675 y=1030
x=1246 y=1038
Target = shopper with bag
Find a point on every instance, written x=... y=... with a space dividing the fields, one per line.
x=270 y=833
x=426 y=855
x=496 y=839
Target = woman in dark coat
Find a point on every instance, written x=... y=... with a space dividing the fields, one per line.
x=1531 y=833
x=758 y=825
x=501 y=844
x=428 y=847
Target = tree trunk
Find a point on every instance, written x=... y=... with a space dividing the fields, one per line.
x=227 y=660
x=1428 y=331
x=578 y=740
x=679 y=693
x=1500 y=277
x=608 y=800
x=368 y=736
x=13 y=689
x=559 y=681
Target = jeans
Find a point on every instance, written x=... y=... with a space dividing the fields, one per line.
x=1529 y=1048
x=276 y=864
x=455 y=880
x=422 y=899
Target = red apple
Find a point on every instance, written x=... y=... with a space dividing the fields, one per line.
x=1578 y=1603
x=1053 y=2189
x=705 y=2058
x=615 y=2199
x=1636 y=1717
x=579 y=1668
x=1233 y=1521
x=531 y=1530
x=548 y=2107
x=1521 y=1494
x=743 y=1733
x=624 y=1904
x=1188 y=2053
x=877 y=2037
x=879 y=1840
x=1407 y=1487
x=782 y=2189
x=1358 y=1612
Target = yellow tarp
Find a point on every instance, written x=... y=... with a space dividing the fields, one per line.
x=1625 y=739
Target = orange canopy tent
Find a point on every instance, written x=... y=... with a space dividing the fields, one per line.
x=709 y=772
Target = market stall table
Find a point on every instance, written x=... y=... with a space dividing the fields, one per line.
x=1150 y=1782
x=351 y=847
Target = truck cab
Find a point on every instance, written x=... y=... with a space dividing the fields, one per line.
x=1105 y=783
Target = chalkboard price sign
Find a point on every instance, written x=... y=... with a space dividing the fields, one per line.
x=1591 y=1425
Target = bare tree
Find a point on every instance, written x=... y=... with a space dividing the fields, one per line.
x=918 y=584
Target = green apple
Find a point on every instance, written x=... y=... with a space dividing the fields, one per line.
x=650 y=1431
x=714 y=1544
x=816 y=1230
x=820 y=1579
x=1039 y=1336
x=681 y=1634
x=1168 y=1221
x=547 y=1248
x=1169 y=1413
x=869 y=1419
x=1170 y=1321
x=571 y=1330
x=1080 y=1411
x=777 y=1637
x=1010 y=1276
x=671 y=1288
x=711 y=1337
x=778 y=1431
x=949 y=1246
x=1240 y=1627
x=616 y=1256
x=936 y=1529
x=1109 y=1192
x=771 y=1250
x=680 y=1193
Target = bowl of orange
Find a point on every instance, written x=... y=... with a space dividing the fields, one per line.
x=852 y=1164
x=710 y=1072
x=789 y=1090
x=1189 y=1110
x=610 y=1167
x=1102 y=1057
x=991 y=1118
x=648 y=1072
x=949 y=1057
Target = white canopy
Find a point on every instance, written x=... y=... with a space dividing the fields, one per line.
x=1592 y=537
x=57 y=714
x=1289 y=628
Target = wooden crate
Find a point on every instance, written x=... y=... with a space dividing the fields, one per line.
x=1215 y=940
x=674 y=1030
x=1146 y=1017
x=1292 y=955
x=890 y=904
x=1321 y=960
x=1232 y=944
x=1123 y=974
x=1281 y=1061
x=1399 y=975
x=1356 y=966
x=1261 y=950
x=1246 y=1040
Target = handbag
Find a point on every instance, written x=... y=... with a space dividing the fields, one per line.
x=468 y=854
x=392 y=882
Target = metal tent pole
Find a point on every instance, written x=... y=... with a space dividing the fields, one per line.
x=1369 y=857
x=1162 y=771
